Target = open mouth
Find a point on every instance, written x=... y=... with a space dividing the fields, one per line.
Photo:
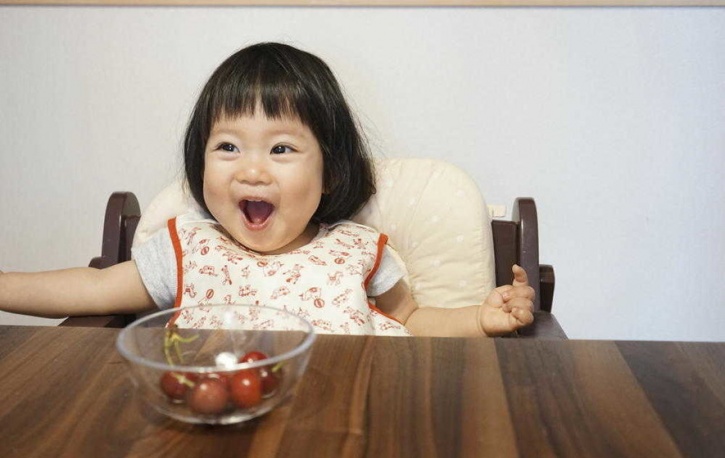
x=256 y=212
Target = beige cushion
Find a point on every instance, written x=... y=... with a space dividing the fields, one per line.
x=172 y=201
x=438 y=222
x=433 y=214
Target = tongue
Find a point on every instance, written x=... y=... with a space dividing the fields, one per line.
x=258 y=212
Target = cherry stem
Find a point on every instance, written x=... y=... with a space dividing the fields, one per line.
x=184 y=380
x=172 y=338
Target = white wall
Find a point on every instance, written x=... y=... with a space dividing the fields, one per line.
x=612 y=118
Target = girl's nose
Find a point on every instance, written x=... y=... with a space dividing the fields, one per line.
x=253 y=170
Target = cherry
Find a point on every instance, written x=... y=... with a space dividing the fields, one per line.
x=252 y=356
x=270 y=377
x=208 y=397
x=176 y=384
x=246 y=388
x=270 y=380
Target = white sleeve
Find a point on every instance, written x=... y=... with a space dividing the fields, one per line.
x=156 y=263
x=388 y=274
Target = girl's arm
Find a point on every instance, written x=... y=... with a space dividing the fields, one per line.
x=78 y=291
x=506 y=309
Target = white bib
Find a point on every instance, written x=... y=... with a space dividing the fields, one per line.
x=324 y=281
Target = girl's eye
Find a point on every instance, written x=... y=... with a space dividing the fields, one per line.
x=281 y=149
x=227 y=147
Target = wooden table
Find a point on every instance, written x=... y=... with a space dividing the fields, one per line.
x=64 y=392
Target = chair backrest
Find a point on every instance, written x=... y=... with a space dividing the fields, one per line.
x=123 y=214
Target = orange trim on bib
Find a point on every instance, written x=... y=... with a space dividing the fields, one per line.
x=375 y=309
x=382 y=241
x=171 y=224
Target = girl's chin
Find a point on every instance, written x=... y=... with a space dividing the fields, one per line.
x=265 y=243
x=261 y=248
x=262 y=243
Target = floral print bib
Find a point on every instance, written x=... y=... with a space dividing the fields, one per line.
x=324 y=281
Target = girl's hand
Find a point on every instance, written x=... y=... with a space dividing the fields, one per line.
x=508 y=307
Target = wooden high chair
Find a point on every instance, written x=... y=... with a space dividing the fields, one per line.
x=435 y=218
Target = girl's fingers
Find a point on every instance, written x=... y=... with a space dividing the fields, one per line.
x=503 y=288
x=519 y=303
x=518 y=291
x=496 y=298
x=520 y=277
x=523 y=316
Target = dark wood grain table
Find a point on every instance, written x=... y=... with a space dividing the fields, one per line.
x=64 y=392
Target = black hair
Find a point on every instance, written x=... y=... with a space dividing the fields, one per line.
x=287 y=82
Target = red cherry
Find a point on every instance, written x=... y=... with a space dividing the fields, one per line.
x=252 y=356
x=270 y=377
x=208 y=397
x=270 y=380
x=176 y=384
x=246 y=388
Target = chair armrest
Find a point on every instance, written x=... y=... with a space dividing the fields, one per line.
x=547 y=279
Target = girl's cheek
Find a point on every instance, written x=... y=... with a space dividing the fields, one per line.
x=210 y=196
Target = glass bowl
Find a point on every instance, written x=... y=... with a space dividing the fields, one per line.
x=216 y=364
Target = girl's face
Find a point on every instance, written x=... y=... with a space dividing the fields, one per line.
x=263 y=180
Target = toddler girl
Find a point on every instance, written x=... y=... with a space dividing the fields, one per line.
x=275 y=160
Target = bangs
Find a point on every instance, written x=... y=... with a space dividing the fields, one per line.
x=263 y=84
